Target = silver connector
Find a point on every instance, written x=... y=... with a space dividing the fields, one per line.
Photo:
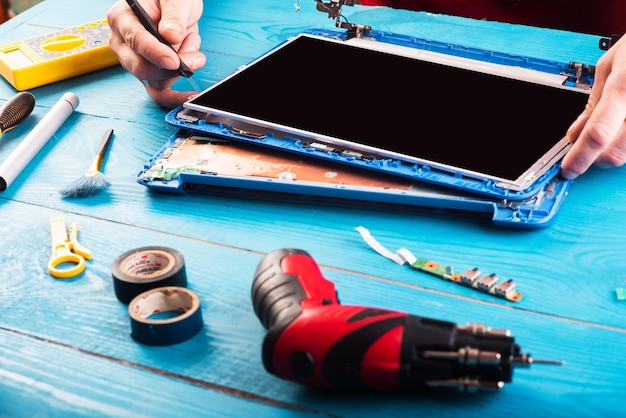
x=487 y=282
x=467 y=355
x=506 y=289
x=480 y=329
x=470 y=276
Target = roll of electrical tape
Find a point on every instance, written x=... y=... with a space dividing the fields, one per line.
x=145 y=268
x=179 y=304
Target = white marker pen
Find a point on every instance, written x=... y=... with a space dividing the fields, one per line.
x=36 y=139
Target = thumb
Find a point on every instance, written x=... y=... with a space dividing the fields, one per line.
x=176 y=17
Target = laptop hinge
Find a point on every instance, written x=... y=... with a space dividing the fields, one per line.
x=333 y=8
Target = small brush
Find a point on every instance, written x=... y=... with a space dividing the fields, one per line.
x=93 y=180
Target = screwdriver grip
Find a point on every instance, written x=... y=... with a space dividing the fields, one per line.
x=16 y=110
x=286 y=282
x=283 y=281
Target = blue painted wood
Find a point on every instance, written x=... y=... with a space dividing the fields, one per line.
x=41 y=378
x=65 y=345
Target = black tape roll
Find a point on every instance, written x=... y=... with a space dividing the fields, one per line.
x=145 y=268
x=170 y=299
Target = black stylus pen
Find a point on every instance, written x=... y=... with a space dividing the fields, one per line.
x=147 y=23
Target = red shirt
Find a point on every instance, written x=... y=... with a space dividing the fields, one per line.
x=598 y=17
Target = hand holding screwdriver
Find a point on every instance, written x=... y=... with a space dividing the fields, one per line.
x=134 y=26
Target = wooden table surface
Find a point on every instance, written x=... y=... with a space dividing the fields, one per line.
x=65 y=345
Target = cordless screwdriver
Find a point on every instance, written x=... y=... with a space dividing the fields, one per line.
x=314 y=340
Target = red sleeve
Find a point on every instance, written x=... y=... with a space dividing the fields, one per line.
x=573 y=15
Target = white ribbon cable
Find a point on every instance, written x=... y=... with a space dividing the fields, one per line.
x=407 y=256
x=376 y=246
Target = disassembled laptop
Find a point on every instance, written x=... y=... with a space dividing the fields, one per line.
x=528 y=209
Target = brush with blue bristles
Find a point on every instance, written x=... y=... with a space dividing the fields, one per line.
x=93 y=180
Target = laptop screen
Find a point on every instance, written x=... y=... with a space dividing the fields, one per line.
x=406 y=106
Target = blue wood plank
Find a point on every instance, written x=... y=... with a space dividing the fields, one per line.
x=44 y=379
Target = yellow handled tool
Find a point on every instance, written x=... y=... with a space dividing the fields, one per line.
x=66 y=250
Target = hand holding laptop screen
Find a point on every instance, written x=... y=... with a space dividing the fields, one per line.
x=600 y=132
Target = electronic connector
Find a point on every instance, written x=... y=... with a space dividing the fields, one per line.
x=472 y=278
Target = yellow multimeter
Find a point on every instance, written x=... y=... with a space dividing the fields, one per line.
x=57 y=55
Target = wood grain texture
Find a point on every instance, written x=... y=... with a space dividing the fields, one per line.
x=65 y=347
x=42 y=378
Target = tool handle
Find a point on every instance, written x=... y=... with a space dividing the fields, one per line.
x=77 y=247
x=311 y=338
x=285 y=282
x=96 y=162
x=16 y=110
x=104 y=143
x=36 y=139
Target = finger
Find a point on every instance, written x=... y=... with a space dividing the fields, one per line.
x=601 y=128
x=603 y=69
x=168 y=98
x=139 y=66
x=159 y=84
x=615 y=154
x=135 y=46
x=177 y=18
x=145 y=44
x=598 y=133
x=192 y=41
x=190 y=54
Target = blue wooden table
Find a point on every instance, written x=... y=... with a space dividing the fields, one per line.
x=65 y=348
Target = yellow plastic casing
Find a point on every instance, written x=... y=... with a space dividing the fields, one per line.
x=57 y=55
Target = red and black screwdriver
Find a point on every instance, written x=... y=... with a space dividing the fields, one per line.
x=314 y=340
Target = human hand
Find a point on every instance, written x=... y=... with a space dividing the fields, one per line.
x=599 y=133
x=149 y=60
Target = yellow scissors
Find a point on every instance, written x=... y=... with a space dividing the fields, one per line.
x=66 y=250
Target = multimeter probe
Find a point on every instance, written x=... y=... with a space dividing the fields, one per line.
x=314 y=340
